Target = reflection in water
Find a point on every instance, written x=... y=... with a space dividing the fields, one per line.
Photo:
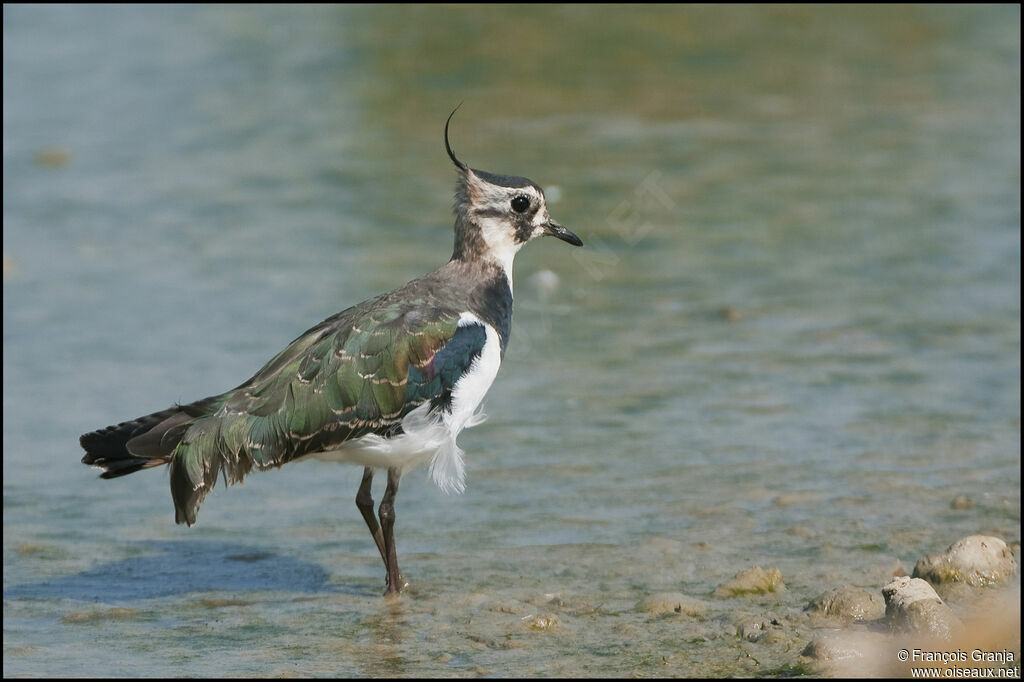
x=180 y=568
x=386 y=630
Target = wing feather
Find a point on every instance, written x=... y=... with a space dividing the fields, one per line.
x=352 y=375
x=357 y=373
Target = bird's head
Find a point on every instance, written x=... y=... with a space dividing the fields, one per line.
x=496 y=214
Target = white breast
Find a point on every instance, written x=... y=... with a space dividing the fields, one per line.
x=433 y=436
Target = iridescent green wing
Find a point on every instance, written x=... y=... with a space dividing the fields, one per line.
x=360 y=372
x=356 y=373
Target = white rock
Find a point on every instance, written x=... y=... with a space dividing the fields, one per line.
x=912 y=606
x=976 y=560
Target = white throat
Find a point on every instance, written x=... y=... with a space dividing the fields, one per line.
x=501 y=244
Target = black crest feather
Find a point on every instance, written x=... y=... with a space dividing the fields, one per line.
x=458 y=164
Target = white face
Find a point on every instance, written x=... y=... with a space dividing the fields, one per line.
x=508 y=216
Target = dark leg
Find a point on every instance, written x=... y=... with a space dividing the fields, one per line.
x=387 y=523
x=364 y=500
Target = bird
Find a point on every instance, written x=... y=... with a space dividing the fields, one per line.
x=387 y=384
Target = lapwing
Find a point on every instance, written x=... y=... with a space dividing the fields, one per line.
x=386 y=384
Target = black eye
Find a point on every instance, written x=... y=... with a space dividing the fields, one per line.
x=520 y=204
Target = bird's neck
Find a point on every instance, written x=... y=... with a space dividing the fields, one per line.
x=486 y=243
x=488 y=291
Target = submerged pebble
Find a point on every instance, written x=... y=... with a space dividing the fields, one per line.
x=730 y=314
x=763 y=630
x=976 y=560
x=542 y=622
x=98 y=616
x=53 y=157
x=509 y=606
x=962 y=502
x=659 y=545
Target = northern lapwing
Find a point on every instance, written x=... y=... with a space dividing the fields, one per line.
x=386 y=384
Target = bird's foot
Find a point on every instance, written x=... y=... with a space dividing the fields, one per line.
x=390 y=591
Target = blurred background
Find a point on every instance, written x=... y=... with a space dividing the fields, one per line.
x=792 y=338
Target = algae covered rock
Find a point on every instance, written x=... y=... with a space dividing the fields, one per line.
x=755 y=580
x=848 y=603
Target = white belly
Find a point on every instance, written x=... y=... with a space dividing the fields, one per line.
x=427 y=436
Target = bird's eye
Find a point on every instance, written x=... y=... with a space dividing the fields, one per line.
x=520 y=204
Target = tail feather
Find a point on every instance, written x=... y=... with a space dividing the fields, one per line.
x=159 y=442
x=107 y=447
x=141 y=443
x=197 y=449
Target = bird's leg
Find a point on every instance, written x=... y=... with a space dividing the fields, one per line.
x=364 y=500
x=387 y=523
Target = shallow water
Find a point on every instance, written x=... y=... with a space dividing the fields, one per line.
x=792 y=339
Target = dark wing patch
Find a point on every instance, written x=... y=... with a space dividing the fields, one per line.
x=435 y=380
